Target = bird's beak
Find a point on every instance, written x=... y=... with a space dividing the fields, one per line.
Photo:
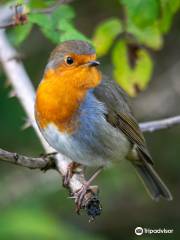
x=93 y=63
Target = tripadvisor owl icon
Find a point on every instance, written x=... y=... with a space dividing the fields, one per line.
x=138 y=231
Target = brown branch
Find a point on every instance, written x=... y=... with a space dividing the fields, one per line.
x=44 y=163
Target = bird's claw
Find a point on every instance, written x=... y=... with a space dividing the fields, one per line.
x=87 y=198
x=84 y=196
x=80 y=195
x=67 y=177
x=72 y=168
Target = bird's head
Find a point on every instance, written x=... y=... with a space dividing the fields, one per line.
x=74 y=62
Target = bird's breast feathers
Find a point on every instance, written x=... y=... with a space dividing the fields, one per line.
x=94 y=142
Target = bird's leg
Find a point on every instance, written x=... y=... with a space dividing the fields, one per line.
x=80 y=194
x=70 y=171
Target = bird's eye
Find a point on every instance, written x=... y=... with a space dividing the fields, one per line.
x=69 y=60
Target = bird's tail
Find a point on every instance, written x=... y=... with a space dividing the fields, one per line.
x=153 y=183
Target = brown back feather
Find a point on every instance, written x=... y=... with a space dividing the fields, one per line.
x=120 y=115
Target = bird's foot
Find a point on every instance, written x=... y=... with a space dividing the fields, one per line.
x=85 y=193
x=87 y=198
x=80 y=194
x=72 y=167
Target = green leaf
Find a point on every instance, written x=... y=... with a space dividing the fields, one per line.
x=105 y=34
x=149 y=36
x=172 y=5
x=64 y=12
x=132 y=80
x=51 y=34
x=68 y=32
x=168 y=9
x=62 y=19
x=142 y=12
x=40 y=3
x=58 y=26
x=46 y=25
x=42 y=20
x=19 y=33
x=142 y=73
x=121 y=66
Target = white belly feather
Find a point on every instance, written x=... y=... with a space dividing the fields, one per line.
x=114 y=146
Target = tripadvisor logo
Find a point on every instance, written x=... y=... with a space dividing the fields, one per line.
x=139 y=231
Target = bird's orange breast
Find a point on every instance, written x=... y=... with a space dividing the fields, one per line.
x=60 y=94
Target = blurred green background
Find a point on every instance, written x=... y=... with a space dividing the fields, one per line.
x=33 y=205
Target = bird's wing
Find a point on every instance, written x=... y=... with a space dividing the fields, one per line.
x=120 y=115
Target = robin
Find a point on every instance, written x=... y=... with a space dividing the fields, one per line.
x=88 y=118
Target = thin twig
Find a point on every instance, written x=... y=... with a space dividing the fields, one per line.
x=51 y=8
x=160 y=124
x=18 y=18
x=18 y=15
